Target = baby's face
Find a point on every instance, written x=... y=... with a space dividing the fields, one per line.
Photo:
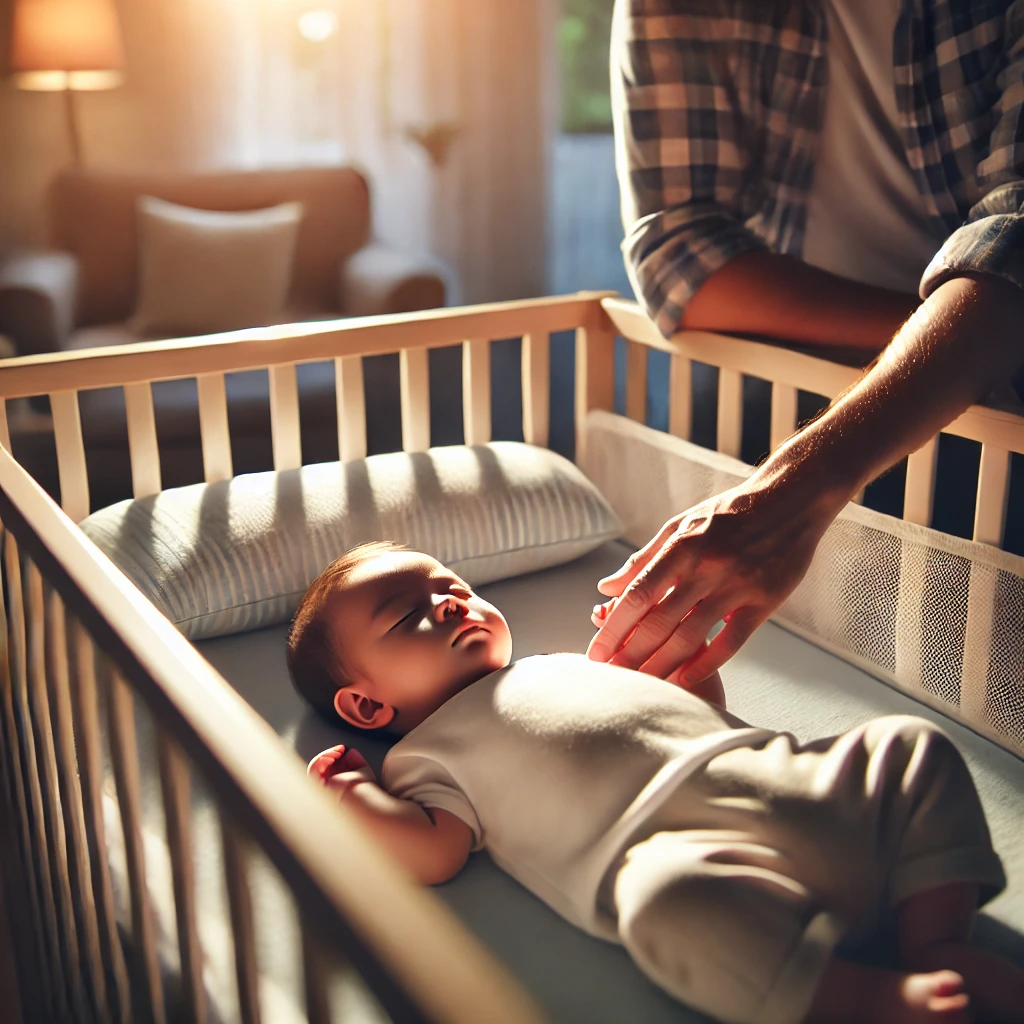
x=413 y=634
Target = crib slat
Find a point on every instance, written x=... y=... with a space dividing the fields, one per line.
x=142 y=442
x=536 y=384
x=124 y=753
x=351 y=399
x=636 y=381
x=175 y=785
x=730 y=412
x=67 y=764
x=214 y=428
x=83 y=906
x=314 y=978
x=595 y=378
x=476 y=391
x=38 y=850
x=88 y=746
x=784 y=413
x=920 y=489
x=11 y=669
x=993 y=495
x=680 y=397
x=39 y=701
x=284 y=416
x=415 y=389
x=71 y=468
x=236 y=878
x=5 y=430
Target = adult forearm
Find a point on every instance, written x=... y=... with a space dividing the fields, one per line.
x=765 y=294
x=957 y=345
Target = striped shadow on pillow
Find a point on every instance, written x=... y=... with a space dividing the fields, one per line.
x=238 y=555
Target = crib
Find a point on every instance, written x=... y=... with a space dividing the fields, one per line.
x=96 y=685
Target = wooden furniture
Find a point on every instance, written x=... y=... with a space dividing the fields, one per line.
x=81 y=294
x=78 y=639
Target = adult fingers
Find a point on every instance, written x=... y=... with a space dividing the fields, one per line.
x=687 y=640
x=645 y=592
x=616 y=583
x=736 y=632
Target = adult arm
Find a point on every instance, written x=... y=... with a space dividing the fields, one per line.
x=432 y=845
x=738 y=555
x=780 y=298
x=741 y=553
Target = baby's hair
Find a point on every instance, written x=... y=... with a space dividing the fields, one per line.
x=314 y=661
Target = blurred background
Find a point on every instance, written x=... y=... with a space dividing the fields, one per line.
x=483 y=126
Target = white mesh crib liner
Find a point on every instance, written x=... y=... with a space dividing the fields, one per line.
x=937 y=616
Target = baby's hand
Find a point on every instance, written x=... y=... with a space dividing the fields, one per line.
x=339 y=768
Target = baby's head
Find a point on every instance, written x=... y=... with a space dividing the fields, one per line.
x=384 y=636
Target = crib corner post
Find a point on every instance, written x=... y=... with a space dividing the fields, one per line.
x=595 y=377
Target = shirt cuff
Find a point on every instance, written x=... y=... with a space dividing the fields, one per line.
x=993 y=245
x=668 y=272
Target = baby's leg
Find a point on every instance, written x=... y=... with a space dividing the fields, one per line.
x=934 y=927
x=721 y=923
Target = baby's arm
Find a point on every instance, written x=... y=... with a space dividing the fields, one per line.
x=710 y=689
x=432 y=845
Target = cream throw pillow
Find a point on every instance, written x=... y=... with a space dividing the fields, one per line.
x=202 y=271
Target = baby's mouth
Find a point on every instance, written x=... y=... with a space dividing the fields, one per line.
x=467 y=630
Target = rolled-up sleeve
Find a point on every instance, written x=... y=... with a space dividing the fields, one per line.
x=991 y=241
x=682 y=154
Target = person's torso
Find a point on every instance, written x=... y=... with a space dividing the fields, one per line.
x=560 y=759
x=946 y=59
x=866 y=217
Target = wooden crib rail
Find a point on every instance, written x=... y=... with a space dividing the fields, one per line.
x=279 y=350
x=260 y=347
x=998 y=432
x=417 y=959
x=596 y=317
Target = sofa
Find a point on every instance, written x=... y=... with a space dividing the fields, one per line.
x=81 y=292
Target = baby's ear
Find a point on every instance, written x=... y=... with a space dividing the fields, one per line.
x=361 y=711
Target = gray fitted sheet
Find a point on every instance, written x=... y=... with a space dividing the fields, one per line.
x=778 y=681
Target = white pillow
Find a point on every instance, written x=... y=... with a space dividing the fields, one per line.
x=238 y=555
x=202 y=271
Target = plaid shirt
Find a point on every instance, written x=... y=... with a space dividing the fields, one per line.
x=718 y=107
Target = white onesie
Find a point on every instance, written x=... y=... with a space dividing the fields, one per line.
x=729 y=861
x=554 y=762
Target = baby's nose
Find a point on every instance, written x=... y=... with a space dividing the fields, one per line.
x=447 y=606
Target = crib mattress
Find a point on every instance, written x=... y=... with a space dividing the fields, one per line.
x=777 y=681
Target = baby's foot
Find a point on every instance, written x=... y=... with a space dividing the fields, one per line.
x=937 y=998
x=995 y=984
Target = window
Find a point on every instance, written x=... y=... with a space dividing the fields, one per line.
x=584 y=32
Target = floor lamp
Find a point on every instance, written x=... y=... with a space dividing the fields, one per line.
x=67 y=46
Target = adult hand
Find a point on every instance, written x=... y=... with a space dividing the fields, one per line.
x=736 y=556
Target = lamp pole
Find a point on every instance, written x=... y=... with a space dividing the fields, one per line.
x=74 y=133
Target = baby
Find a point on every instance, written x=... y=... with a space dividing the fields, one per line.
x=729 y=861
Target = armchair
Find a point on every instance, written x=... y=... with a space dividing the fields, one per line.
x=83 y=292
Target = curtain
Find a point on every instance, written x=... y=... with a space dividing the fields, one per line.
x=445 y=104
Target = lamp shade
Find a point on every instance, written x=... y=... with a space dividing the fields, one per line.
x=66 y=43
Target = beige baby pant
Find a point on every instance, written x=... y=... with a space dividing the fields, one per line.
x=747 y=878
